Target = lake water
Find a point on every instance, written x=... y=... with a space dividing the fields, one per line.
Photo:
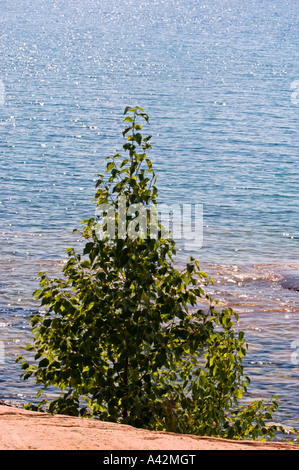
x=220 y=82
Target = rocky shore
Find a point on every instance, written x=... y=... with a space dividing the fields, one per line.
x=27 y=430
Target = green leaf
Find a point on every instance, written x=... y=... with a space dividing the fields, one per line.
x=44 y=362
x=144 y=115
x=149 y=164
x=128 y=108
x=138 y=138
x=110 y=166
x=127 y=130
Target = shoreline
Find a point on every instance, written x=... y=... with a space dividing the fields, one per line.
x=30 y=430
x=266 y=309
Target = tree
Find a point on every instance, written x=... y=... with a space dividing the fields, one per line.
x=122 y=335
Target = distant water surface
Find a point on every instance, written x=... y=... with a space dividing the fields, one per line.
x=218 y=80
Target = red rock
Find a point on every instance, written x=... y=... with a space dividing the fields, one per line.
x=27 y=430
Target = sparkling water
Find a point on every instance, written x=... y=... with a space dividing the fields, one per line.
x=220 y=82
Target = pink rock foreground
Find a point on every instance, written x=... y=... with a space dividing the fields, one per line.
x=26 y=430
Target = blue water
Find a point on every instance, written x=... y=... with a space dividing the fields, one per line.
x=218 y=80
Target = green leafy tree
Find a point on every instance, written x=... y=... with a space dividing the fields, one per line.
x=123 y=337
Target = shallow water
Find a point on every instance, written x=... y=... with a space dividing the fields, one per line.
x=218 y=80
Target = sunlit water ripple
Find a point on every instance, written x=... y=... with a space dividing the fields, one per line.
x=217 y=80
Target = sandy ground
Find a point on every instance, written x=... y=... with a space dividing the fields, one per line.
x=26 y=430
